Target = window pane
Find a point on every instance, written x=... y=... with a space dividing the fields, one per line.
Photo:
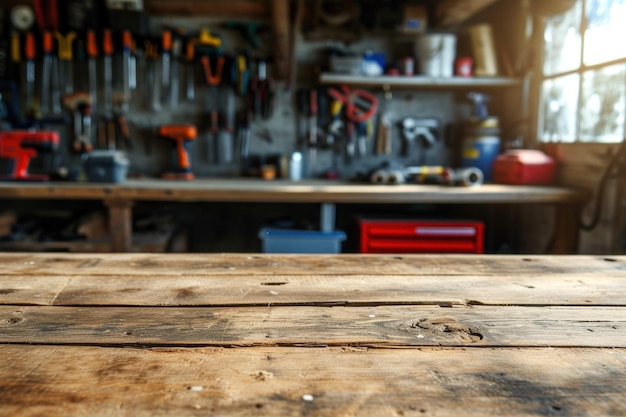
x=559 y=104
x=602 y=112
x=605 y=39
x=563 y=41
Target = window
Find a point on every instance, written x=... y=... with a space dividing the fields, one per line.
x=583 y=94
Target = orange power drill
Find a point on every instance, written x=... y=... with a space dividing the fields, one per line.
x=181 y=135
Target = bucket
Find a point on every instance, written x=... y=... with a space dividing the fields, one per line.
x=436 y=53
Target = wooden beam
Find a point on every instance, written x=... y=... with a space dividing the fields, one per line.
x=220 y=8
x=280 y=19
x=455 y=12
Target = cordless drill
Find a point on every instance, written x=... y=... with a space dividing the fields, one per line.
x=22 y=145
x=182 y=135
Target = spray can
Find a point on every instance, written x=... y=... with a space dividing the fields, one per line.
x=481 y=144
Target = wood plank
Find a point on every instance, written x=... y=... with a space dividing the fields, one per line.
x=309 y=191
x=455 y=12
x=314 y=326
x=77 y=380
x=338 y=290
x=228 y=264
x=214 y=8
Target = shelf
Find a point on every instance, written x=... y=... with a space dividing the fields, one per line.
x=417 y=81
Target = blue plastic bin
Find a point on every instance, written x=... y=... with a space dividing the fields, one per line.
x=301 y=241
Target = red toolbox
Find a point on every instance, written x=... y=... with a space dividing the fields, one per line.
x=524 y=167
x=420 y=236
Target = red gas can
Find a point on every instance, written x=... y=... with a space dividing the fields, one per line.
x=524 y=167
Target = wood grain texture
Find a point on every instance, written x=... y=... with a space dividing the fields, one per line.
x=397 y=326
x=244 y=265
x=455 y=12
x=310 y=191
x=333 y=382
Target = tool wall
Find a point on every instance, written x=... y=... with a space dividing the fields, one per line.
x=196 y=96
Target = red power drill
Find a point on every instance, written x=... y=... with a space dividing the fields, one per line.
x=181 y=135
x=22 y=145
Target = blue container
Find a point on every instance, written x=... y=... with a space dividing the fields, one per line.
x=301 y=241
x=480 y=149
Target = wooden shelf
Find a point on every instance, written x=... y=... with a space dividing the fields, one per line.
x=418 y=81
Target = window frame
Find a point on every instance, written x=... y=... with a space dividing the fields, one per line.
x=581 y=69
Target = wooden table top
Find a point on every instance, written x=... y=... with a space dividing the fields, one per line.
x=310 y=191
x=314 y=335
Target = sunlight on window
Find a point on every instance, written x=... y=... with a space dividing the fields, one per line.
x=593 y=110
x=602 y=112
x=558 y=109
x=605 y=38
x=563 y=42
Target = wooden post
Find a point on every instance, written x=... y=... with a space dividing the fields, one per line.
x=566 y=229
x=280 y=19
x=120 y=224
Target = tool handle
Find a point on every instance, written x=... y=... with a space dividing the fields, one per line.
x=92 y=44
x=322 y=101
x=65 y=43
x=107 y=42
x=47 y=42
x=29 y=47
x=15 y=48
x=127 y=40
x=190 y=52
x=166 y=41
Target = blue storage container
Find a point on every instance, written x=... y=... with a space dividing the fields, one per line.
x=481 y=146
x=301 y=241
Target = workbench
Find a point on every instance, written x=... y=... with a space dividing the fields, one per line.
x=119 y=198
x=316 y=335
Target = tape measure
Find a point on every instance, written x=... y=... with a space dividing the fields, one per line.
x=22 y=18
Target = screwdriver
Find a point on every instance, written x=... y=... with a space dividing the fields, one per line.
x=107 y=51
x=66 y=55
x=126 y=45
x=92 y=53
x=30 y=52
x=46 y=76
x=190 y=75
x=166 y=46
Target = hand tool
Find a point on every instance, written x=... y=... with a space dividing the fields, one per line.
x=107 y=52
x=92 y=53
x=262 y=90
x=360 y=105
x=225 y=135
x=213 y=78
x=127 y=41
x=48 y=83
x=335 y=129
x=414 y=128
x=29 y=55
x=312 y=132
x=166 y=66
x=10 y=110
x=182 y=135
x=79 y=104
x=190 y=73
x=243 y=73
x=66 y=56
x=175 y=71
x=153 y=83
x=20 y=146
x=383 y=136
